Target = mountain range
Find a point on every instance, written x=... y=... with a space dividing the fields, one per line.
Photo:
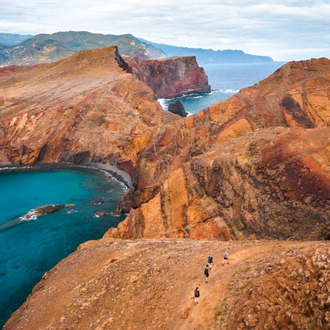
x=29 y=50
x=207 y=56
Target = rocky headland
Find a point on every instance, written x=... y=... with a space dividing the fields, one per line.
x=255 y=167
x=171 y=77
x=86 y=108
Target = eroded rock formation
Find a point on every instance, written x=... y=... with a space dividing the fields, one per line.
x=171 y=77
x=254 y=166
x=295 y=96
x=86 y=108
x=273 y=183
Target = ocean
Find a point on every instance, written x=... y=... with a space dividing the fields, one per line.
x=225 y=80
x=29 y=248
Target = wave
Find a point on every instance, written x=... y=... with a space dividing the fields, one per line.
x=225 y=90
x=14 y=168
x=162 y=102
x=31 y=215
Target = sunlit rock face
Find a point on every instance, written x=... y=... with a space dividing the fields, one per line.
x=280 y=126
x=274 y=183
x=255 y=165
x=171 y=77
x=85 y=108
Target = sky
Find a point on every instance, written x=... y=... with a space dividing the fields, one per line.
x=284 y=30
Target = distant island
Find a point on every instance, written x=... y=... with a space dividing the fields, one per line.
x=18 y=49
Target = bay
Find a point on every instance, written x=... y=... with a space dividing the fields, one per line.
x=29 y=248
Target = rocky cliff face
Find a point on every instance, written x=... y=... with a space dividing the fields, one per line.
x=149 y=284
x=171 y=77
x=86 y=108
x=274 y=183
x=229 y=172
x=295 y=96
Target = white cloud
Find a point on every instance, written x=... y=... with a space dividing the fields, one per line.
x=284 y=30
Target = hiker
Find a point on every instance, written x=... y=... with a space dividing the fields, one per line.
x=225 y=258
x=206 y=273
x=210 y=262
x=196 y=295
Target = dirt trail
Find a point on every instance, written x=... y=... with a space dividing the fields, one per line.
x=202 y=314
x=126 y=284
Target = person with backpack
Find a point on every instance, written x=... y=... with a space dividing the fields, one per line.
x=206 y=273
x=196 y=295
x=210 y=262
x=225 y=258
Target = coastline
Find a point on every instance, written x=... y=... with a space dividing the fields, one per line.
x=75 y=224
x=115 y=172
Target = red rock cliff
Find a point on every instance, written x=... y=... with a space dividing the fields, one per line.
x=295 y=96
x=171 y=77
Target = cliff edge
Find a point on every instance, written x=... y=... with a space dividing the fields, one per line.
x=149 y=284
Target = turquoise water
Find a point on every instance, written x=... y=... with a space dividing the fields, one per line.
x=225 y=81
x=30 y=248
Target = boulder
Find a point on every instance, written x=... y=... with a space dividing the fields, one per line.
x=100 y=214
x=177 y=108
x=45 y=209
x=97 y=201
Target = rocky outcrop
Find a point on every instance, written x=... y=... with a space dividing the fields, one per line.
x=177 y=108
x=229 y=171
x=86 y=108
x=295 y=96
x=263 y=105
x=171 y=77
x=46 y=209
x=290 y=291
x=149 y=284
x=273 y=183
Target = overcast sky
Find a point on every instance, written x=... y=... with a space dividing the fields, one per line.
x=284 y=30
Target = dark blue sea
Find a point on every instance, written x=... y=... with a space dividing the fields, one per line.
x=30 y=247
x=225 y=80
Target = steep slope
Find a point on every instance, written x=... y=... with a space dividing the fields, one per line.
x=274 y=183
x=85 y=108
x=171 y=77
x=149 y=284
x=295 y=96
